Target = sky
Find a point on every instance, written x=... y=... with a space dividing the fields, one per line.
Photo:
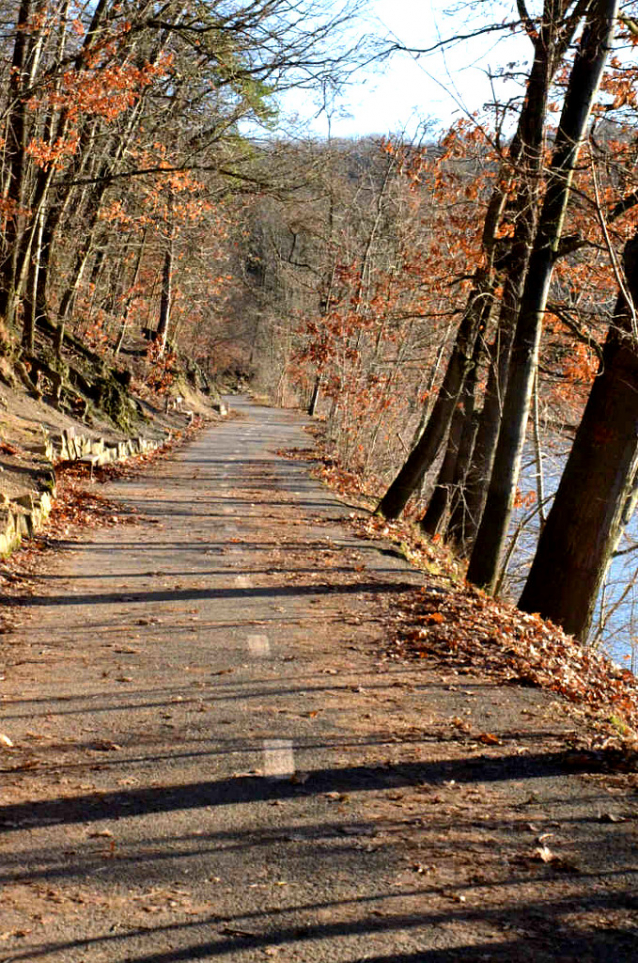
x=438 y=87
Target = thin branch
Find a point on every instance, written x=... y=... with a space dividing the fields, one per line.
x=619 y=275
x=457 y=38
x=582 y=335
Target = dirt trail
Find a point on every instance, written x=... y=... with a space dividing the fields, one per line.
x=212 y=757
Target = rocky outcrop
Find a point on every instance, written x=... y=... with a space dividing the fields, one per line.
x=22 y=517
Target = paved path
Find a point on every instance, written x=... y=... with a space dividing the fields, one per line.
x=180 y=712
x=213 y=761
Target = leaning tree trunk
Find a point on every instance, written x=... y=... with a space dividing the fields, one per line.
x=588 y=513
x=432 y=521
x=583 y=85
x=427 y=448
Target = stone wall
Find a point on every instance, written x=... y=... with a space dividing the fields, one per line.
x=22 y=517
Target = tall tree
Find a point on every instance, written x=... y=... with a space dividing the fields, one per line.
x=515 y=193
x=584 y=81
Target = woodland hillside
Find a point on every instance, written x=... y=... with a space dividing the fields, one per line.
x=448 y=306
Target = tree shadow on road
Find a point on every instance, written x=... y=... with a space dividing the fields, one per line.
x=248 y=788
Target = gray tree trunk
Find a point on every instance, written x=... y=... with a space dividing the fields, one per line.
x=161 y=336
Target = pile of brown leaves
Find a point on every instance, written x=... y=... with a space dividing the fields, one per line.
x=472 y=628
x=77 y=503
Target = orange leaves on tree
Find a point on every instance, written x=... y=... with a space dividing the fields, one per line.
x=524 y=499
x=53 y=155
x=100 y=87
x=581 y=364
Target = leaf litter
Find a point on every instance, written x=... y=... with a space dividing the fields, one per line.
x=470 y=628
x=449 y=621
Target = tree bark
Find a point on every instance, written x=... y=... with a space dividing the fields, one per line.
x=427 y=447
x=588 y=512
x=161 y=336
x=432 y=521
x=131 y=293
x=314 y=400
x=25 y=58
x=467 y=512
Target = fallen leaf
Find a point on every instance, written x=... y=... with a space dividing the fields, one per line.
x=9 y=934
x=610 y=818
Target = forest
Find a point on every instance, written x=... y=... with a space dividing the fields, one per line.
x=449 y=306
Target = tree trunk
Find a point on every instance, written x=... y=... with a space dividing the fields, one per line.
x=314 y=400
x=588 y=513
x=161 y=336
x=467 y=512
x=26 y=53
x=454 y=526
x=432 y=521
x=582 y=88
x=427 y=448
x=440 y=498
x=131 y=294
